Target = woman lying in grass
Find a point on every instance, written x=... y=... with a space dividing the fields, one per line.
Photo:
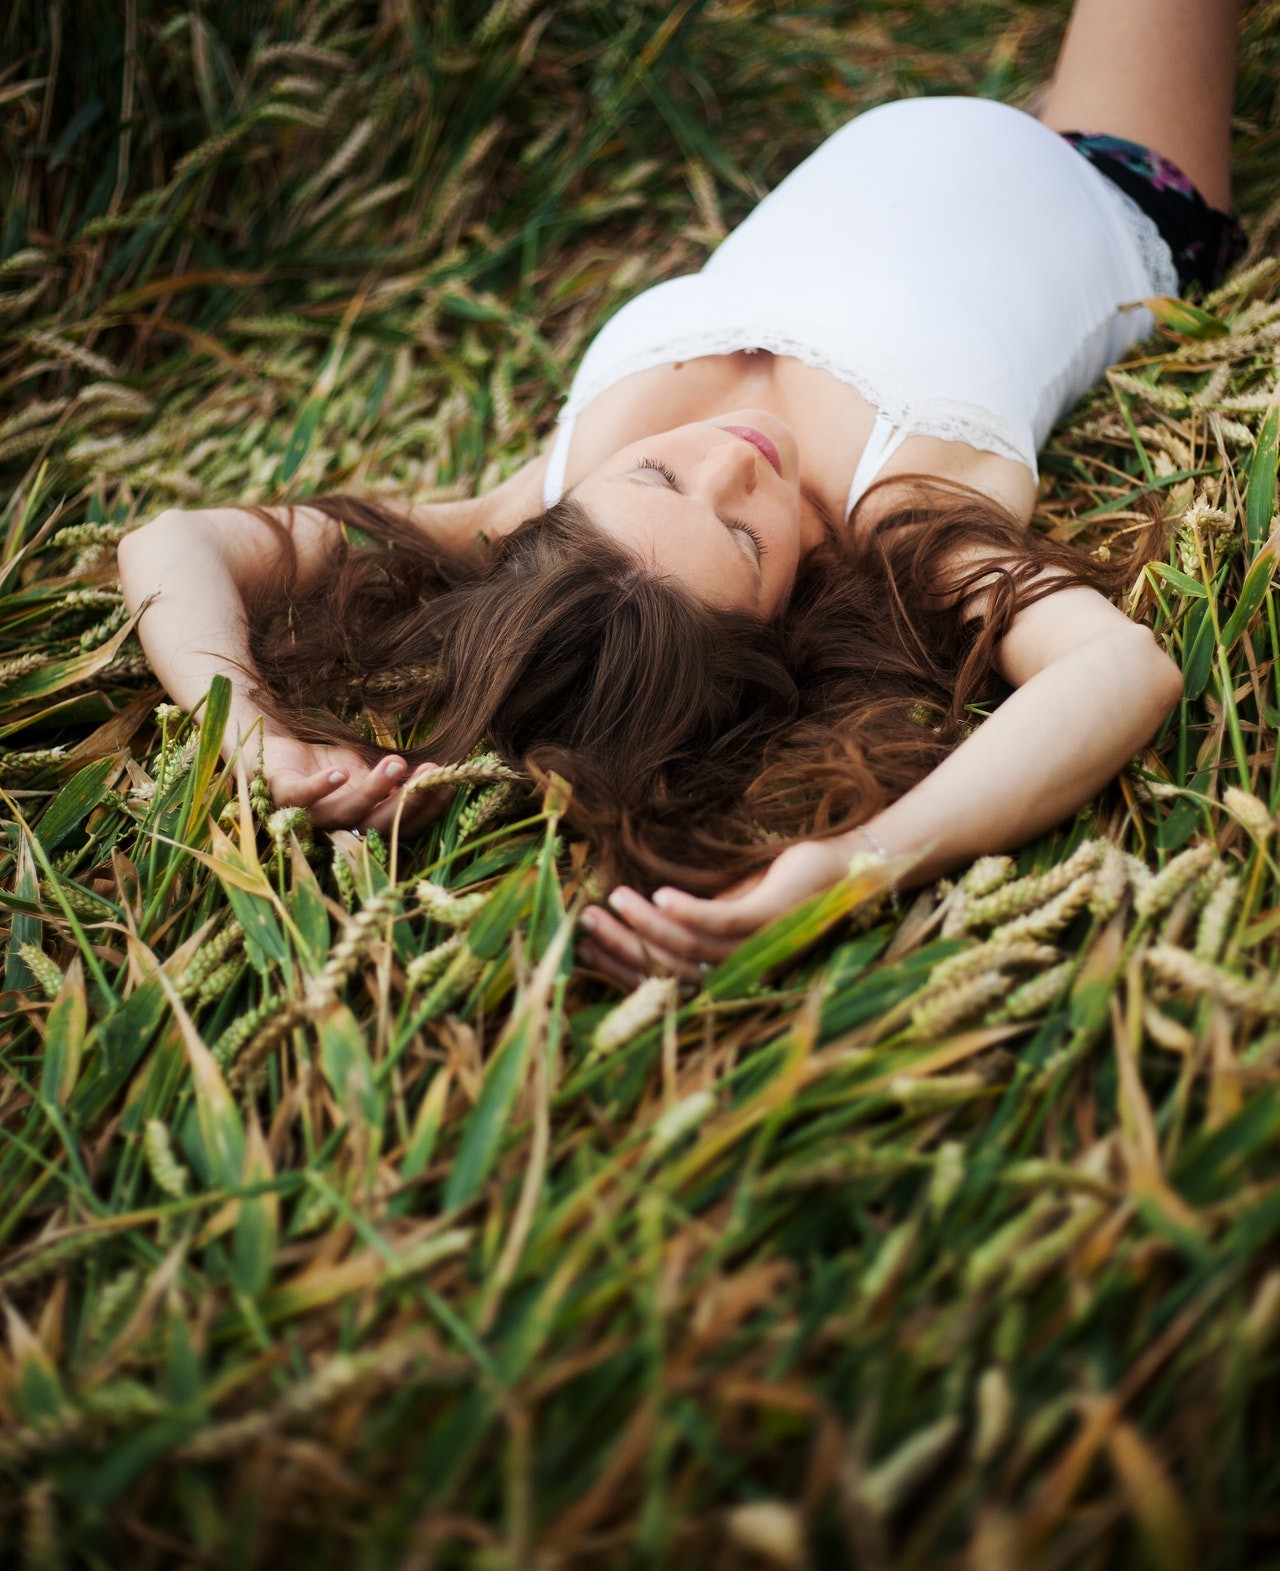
x=777 y=543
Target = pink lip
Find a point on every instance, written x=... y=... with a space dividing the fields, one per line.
x=758 y=440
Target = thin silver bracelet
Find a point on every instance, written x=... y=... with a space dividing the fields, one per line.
x=882 y=851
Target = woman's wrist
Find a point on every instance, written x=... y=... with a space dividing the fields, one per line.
x=864 y=840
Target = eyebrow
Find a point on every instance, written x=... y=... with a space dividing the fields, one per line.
x=751 y=562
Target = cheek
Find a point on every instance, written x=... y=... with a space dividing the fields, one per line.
x=784 y=537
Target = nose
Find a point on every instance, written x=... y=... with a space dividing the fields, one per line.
x=731 y=464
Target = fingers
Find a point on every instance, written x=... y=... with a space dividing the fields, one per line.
x=294 y=790
x=420 y=807
x=351 y=804
x=728 y=916
x=597 y=959
x=632 y=953
x=662 y=931
x=356 y=796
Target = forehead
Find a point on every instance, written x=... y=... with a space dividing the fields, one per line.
x=677 y=535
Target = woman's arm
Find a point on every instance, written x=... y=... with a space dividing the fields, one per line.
x=192 y=569
x=1092 y=689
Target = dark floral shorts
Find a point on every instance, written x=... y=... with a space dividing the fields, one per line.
x=1204 y=241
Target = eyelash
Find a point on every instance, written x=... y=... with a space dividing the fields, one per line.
x=669 y=476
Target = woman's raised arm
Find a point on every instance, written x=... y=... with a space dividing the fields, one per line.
x=190 y=571
x=192 y=568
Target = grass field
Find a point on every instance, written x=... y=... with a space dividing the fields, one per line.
x=343 y=1223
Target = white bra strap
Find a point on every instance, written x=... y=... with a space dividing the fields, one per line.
x=882 y=443
x=553 y=482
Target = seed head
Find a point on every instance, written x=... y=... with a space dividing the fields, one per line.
x=1185 y=970
x=1255 y=815
x=1165 y=886
x=169 y=1174
x=443 y=906
x=1050 y=918
x=483 y=809
x=286 y=821
x=426 y=967
x=1212 y=930
x=995 y=1413
x=936 y=1013
x=1035 y=995
x=636 y=1013
x=986 y=874
x=680 y=1120
x=1012 y=899
x=1110 y=881
x=42 y=968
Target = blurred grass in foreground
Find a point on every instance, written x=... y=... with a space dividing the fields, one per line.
x=343 y=1223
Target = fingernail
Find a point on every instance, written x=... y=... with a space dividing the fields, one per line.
x=396 y=768
x=589 y=921
x=617 y=900
x=662 y=898
x=336 y=777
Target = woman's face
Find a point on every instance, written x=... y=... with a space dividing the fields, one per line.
x=715 y=504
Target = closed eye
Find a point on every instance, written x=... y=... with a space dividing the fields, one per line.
x=734 y=524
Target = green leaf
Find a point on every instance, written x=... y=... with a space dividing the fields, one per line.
x=126 y=1460
x=264 y=939
x=1183 y=581
x=1199 y=650
x=346 y=1065
x=257 y=1230
x=426 y=1127
x=1257 y=583
x=487 y=937
x=121 y=1040
x=39 y=1395
x=73 y=804
x=1209 y=1164
x=1260 y=484
x=213 y=724
x=58 y=674
x=22 y=929
x=526 y=1033
x=308 y=912
x=547 y=912
x=222 y=1135
x=1181 y=319
x=64 y=1034
x=488 y=1120
x=183 y=1384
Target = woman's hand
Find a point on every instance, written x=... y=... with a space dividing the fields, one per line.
x=678 y=934
x=341 y=791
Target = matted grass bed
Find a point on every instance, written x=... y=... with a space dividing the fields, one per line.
x=342 y=1222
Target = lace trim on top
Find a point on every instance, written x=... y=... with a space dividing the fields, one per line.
x=1157 y=258
x=952 y=420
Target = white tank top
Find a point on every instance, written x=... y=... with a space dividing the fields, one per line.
x=955 y=261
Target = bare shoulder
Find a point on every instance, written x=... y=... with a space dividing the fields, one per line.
x=921 y=459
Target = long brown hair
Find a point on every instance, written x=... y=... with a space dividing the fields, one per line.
x=696 y=740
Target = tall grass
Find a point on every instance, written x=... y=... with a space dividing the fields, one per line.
x=343 y=1222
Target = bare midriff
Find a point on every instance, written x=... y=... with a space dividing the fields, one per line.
x=831 y=419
